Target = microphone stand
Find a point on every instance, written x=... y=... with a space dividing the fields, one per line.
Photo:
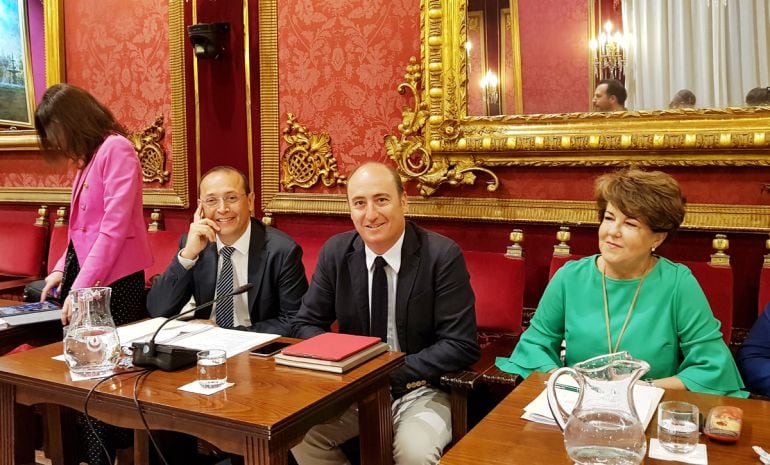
x=169 y=357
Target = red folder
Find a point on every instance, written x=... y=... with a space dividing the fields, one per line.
x=330 y=346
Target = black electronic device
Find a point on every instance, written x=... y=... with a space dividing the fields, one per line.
x=271 y=348
x=169 y=357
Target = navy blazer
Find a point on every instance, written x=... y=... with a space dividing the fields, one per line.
x=275 y=270
x=754 y=356
x=435 y=312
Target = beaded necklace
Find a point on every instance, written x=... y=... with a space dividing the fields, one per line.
x=628 y=314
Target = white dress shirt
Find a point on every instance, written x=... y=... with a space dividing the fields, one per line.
x=393 y=259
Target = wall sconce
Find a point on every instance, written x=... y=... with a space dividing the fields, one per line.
x=609 y=53
x=490 y=85
x=208 y=39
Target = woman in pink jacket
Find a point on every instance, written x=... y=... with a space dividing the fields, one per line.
x=108 y=243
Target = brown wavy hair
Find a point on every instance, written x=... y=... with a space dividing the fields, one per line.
x=652 y=197
x=72 y=124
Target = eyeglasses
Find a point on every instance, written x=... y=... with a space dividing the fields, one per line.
x=229 y=199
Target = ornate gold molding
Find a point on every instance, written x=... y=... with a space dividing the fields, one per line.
x=413 y=159
x=151 y=154
x=308 y=157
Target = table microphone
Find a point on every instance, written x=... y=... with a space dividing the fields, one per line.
x=170 y=357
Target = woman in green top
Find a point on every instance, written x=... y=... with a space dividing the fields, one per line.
x=629 y=299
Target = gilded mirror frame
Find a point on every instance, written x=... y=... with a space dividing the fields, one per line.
x=26 y=140
x=458 y=147
x=685 y=137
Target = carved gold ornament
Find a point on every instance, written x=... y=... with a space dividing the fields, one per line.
x=308 y=158
x=151 y=154
x=413 y=160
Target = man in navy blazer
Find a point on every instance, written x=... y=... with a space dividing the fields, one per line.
x=430 y=317
x=263 y=256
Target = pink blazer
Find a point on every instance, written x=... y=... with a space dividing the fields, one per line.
x=106 y=220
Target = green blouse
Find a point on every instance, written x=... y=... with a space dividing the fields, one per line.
x=671 y=327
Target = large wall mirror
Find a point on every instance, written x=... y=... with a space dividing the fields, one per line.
x=458 y=146
x=40 y=53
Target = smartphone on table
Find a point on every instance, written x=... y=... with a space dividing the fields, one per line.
x=271 y=348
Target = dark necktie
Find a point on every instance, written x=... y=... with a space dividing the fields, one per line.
x=379 y=309
x=224 y=310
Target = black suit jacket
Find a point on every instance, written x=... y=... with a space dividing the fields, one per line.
x=275 y=270
x=435 y=313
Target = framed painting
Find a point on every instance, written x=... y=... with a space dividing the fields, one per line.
x=16 y=83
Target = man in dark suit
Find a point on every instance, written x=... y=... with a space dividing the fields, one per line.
x=226 y=248
x=428 y=313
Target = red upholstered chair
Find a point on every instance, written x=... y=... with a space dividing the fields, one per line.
x=21 y=254
x=716 y=279
x=57 y=244
x=498 y=285
x=164 y=246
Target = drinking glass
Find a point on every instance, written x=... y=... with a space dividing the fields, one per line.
x=678 y=426
x=212 y=368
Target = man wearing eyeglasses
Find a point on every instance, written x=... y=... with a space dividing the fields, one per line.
x=225 y=248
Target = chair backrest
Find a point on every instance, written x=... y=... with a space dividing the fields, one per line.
x=498 y=284
x=557 y=261
x=164 y=246
x=57 y=245
x=717 y=284
x=22 y=249
x=311 y=247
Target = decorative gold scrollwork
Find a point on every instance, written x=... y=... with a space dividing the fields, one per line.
x=308 y=157
x=410 y=153
x=151 y=154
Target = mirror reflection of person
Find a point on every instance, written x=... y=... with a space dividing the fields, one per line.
x=682 y=99
x=108 y=244
x=429 y=314
x=610 y=95
x=758 y=96
x=650 y=306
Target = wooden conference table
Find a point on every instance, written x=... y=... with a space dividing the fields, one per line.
x=503 y=437
x=261 y=417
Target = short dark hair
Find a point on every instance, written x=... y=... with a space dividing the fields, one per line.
x=758 y=96
x=652 y=197
x=683 y=99
x=82 y=123
x=226 y=169
x=396 y=177
x=615 y=88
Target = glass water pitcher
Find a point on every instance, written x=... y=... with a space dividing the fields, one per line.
x=91 y=346
x=604 y=427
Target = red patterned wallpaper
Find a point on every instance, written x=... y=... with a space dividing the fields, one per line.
x=340 y=62
x=554 y=55
x=117 y=50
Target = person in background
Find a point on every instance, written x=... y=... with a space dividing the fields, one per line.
x=409 y=286
x=628 y=298
x=758 y=96
x=610 y=95
x=225 y=243
x=754 y=356
x=108 y=243
x=683 y=99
